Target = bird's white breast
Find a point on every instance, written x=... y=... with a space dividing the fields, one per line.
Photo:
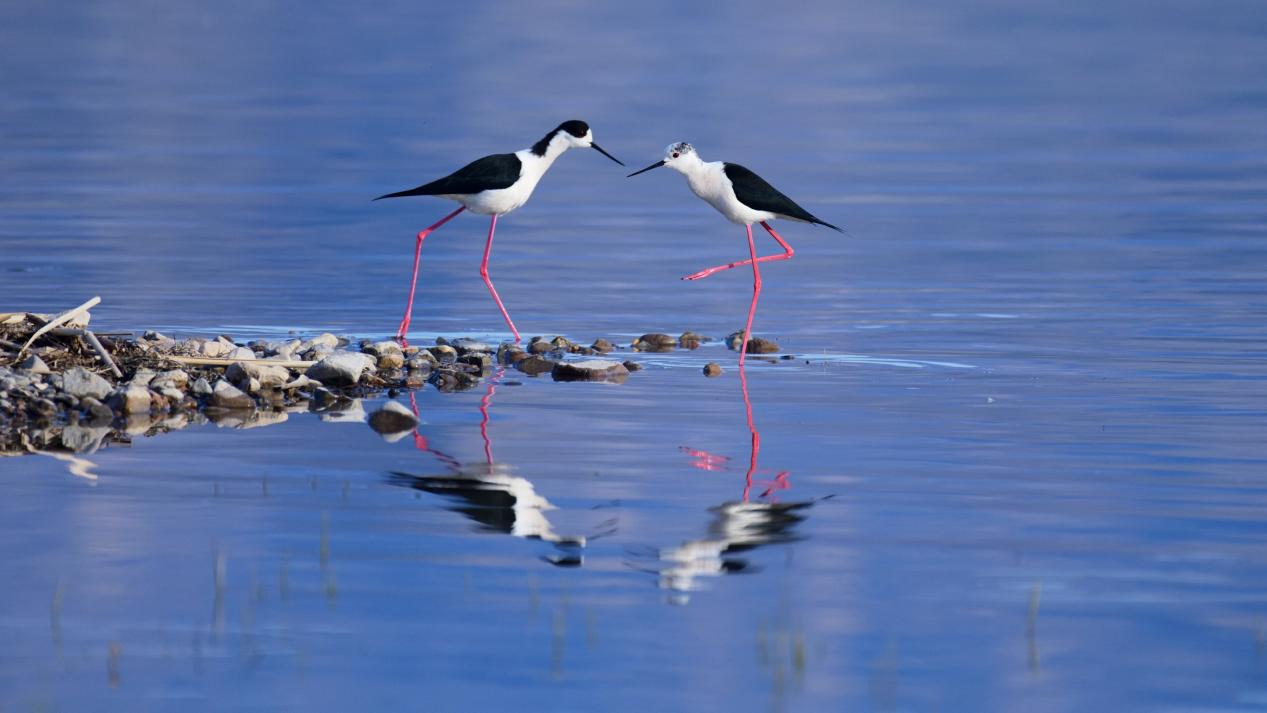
x=710 y=183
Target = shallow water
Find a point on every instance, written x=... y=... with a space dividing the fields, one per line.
x=1016 y=464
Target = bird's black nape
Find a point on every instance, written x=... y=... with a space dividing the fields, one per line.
x=575 y=127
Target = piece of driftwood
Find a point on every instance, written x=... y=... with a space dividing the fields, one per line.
x=59 y=320
x=93 y=342
x=221 y=361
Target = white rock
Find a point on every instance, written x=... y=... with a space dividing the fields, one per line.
x=341 y=368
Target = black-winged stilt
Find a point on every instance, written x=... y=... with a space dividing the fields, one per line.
x=743 y=197
x=495 y=185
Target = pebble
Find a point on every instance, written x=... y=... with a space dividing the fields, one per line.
x=392 y=418
x=79 y=382
x=691 y=340
x=712 y=368
x=655 y=342
x=200 y=387
x=381 y=349
x=590 y=370
x=602 y=346
x=262 y=374
x=226 y=395
x=465 y=344
x=443 y=353
x=540 y=347
x=35 y=365
x=535 y=365
x=341 y=368
x=632 y=365
x=756 y=345
x=133 y=398
x=391 y=361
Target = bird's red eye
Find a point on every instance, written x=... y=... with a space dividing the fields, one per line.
x=674 y=154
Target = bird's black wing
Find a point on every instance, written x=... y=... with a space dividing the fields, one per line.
x=483 y=174
x=753 y=191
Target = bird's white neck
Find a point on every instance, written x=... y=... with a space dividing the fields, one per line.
x=690 y=166
x=558 y=144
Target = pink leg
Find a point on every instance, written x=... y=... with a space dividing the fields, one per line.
x=488 y=248
x=484 y=403
x=752 y=428
x=785 y=255
x=756 y=293
x=413 y=283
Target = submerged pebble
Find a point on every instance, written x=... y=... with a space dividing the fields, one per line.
x=590 y=370
x=393 y=417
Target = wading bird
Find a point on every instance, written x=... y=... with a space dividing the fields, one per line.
x=743 y=197
x=495 y=185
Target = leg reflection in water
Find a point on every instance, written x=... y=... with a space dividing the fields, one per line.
x=737 y=526
x=490 y=494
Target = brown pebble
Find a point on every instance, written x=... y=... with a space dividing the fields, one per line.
x=712 y=368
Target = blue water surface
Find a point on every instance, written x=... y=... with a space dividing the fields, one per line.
x=1017 y=462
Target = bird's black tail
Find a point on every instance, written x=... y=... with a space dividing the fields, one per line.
x=419 y=191
x=815 y=221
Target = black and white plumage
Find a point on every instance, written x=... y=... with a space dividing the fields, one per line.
x=736 y=192
x=744 y=198
x=500 y=183
x=495 y=185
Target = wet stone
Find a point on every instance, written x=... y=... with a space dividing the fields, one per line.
x=602 y=346
x=535 y=365
x=383 y=348
x=391 y=361
x=540 y=347
x=392 y=418
x=632 y=365
x=590 y=370
x=712 y=368
x=226 y=395
x=655 y=342
x=465 y=344
x=443 y=353
x=756 y=345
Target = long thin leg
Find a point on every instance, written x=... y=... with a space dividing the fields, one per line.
x=413 y=283
x=785 y=255
x=756 y=293
x=488 y=248
x=752 y=428
x=484 y=403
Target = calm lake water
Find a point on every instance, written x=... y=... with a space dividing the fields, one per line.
x=1018 y=462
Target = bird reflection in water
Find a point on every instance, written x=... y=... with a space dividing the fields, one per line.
x=491 y=495
x=737 y=526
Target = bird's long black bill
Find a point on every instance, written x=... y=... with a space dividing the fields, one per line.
x=657 y=164
x=599 y=149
